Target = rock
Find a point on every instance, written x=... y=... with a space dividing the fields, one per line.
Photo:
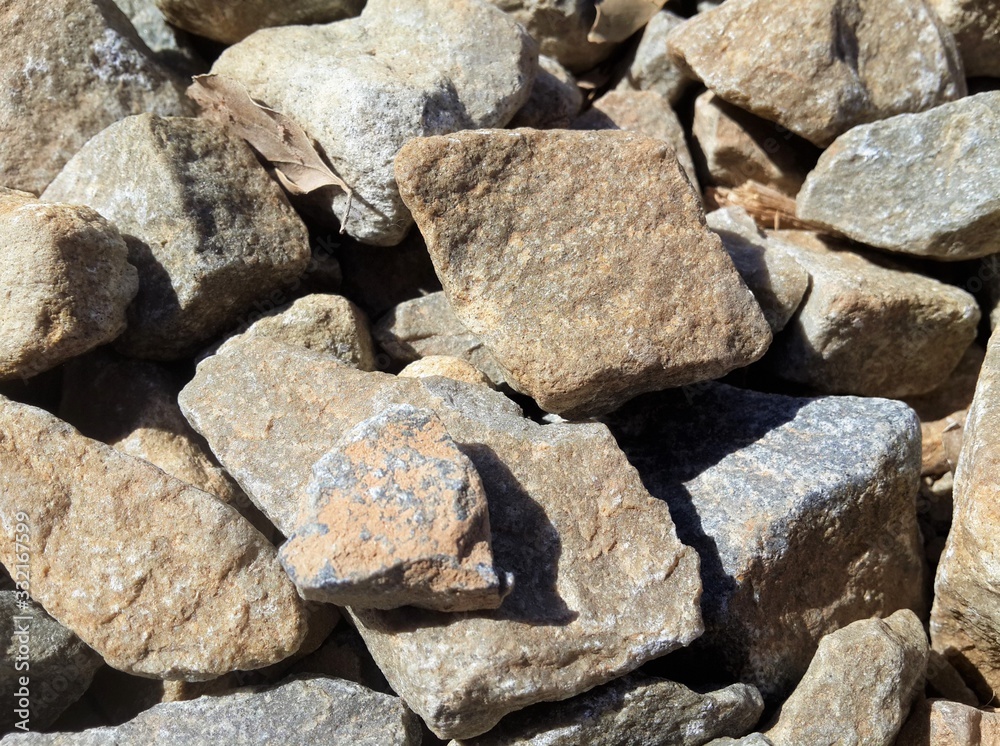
x=449 y=367
x=859 y=687
x=868 y=327
x=651 y=69
x=394 y=515
x=944 y=680
x=343 y=655
x=158 y=577
x=58 y=666
x=427 y=327
x=977 y=33
x=66 y=283
x=821 y=67
x=229 y=21
x=776 y=279
x=938 y=722
x=963 y=621
x=802 y=510
x=601 y=584
x=325 y=323
x=297 y=711
x=735 y=147
x=363 y=87
x=634 y=709
x=645 y=112
x=555 y=99
x=923 y=184
x=754 y=739
x=208 y=229
x=642 y=298
x=73 y=67
x=173 y=48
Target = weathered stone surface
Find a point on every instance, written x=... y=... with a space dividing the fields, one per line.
x=821 y=67
x=158 y=577
x=449 y=367
x=427 y=327
x=172 y=47
x=363 y=87
x=777 y=281
x=868 y=327
x=305 y=710
x=923 y=184
x=634 y=709
x=65 y=281
x=938 y=722
x=639 y=297
x=71 y=68
x=802 y=510
x=860 y=686
x=325 y=323
x=645 y=112
x=555 y=99
x=976 y=26
x=754 y=739
x=207 y=227
x=395 y=515
x=601 y=584
x=651 y=68
x=735 y=146
x=229 y=21
x=59 y=667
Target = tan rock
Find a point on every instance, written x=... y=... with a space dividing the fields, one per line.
x=821 y=67
x=449 y=367
x=160 y=578
x=555 y=99
x=976 y=26
x=642 y=297
x=65 y=283
x=938 y=722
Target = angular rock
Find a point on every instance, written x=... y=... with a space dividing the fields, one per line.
x=977 y=32
x=634 y=709
x=449 y=367
x=161 y=579
x=601 y=584
x=582 y=319
x=651 y=69
x=65 y=281
x=868 y=327
x=363 y=87
x=938 y=722
x=428 y=327
x=174 y=48
x=860 y=686
x=923 y=184
x=298 y=711
x=229 y=21
x=72 y=68
x=555 y=99
x=207 y=227
x=802 y=510
x=395 y=515
x=821 y=67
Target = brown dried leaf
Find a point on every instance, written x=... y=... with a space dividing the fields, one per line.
x=617 y=20
x=769 y=208
x=298 y=164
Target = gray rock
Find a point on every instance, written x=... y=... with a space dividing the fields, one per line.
x=207 y=227
x=923 y=184
x=821 y=67
x=173 y=48
x=365 y=86
x=634 y=709
x=555 y=99
x=802 y=510
x=651 y=69
x=601 y=584
x=977 y=33
x=298 y=712
x=860 y=686
x=754 y=739
x=71 y=68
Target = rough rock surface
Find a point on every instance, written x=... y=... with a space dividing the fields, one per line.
x=923 y=184
x=754 y=739
x=555 y=99
x=976 y=26
x=229 y=21
x=65 y=283
x=651 y=69
x=601 y=584
x=634 y=709
x=821 y=67
x=449 y=367
x=938 y=722
x=363 y=87
x=582 y=317
x=802 y=510
x=860 y=686
x=206 y=226
x=172 y=47
x=305 y=710
x=71 y=68
x=395 y=515
x=158 y=577
x=868 y=327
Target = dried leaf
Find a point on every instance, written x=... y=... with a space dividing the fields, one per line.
x=617 y=20
x=769 y=208
x=298 y=164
